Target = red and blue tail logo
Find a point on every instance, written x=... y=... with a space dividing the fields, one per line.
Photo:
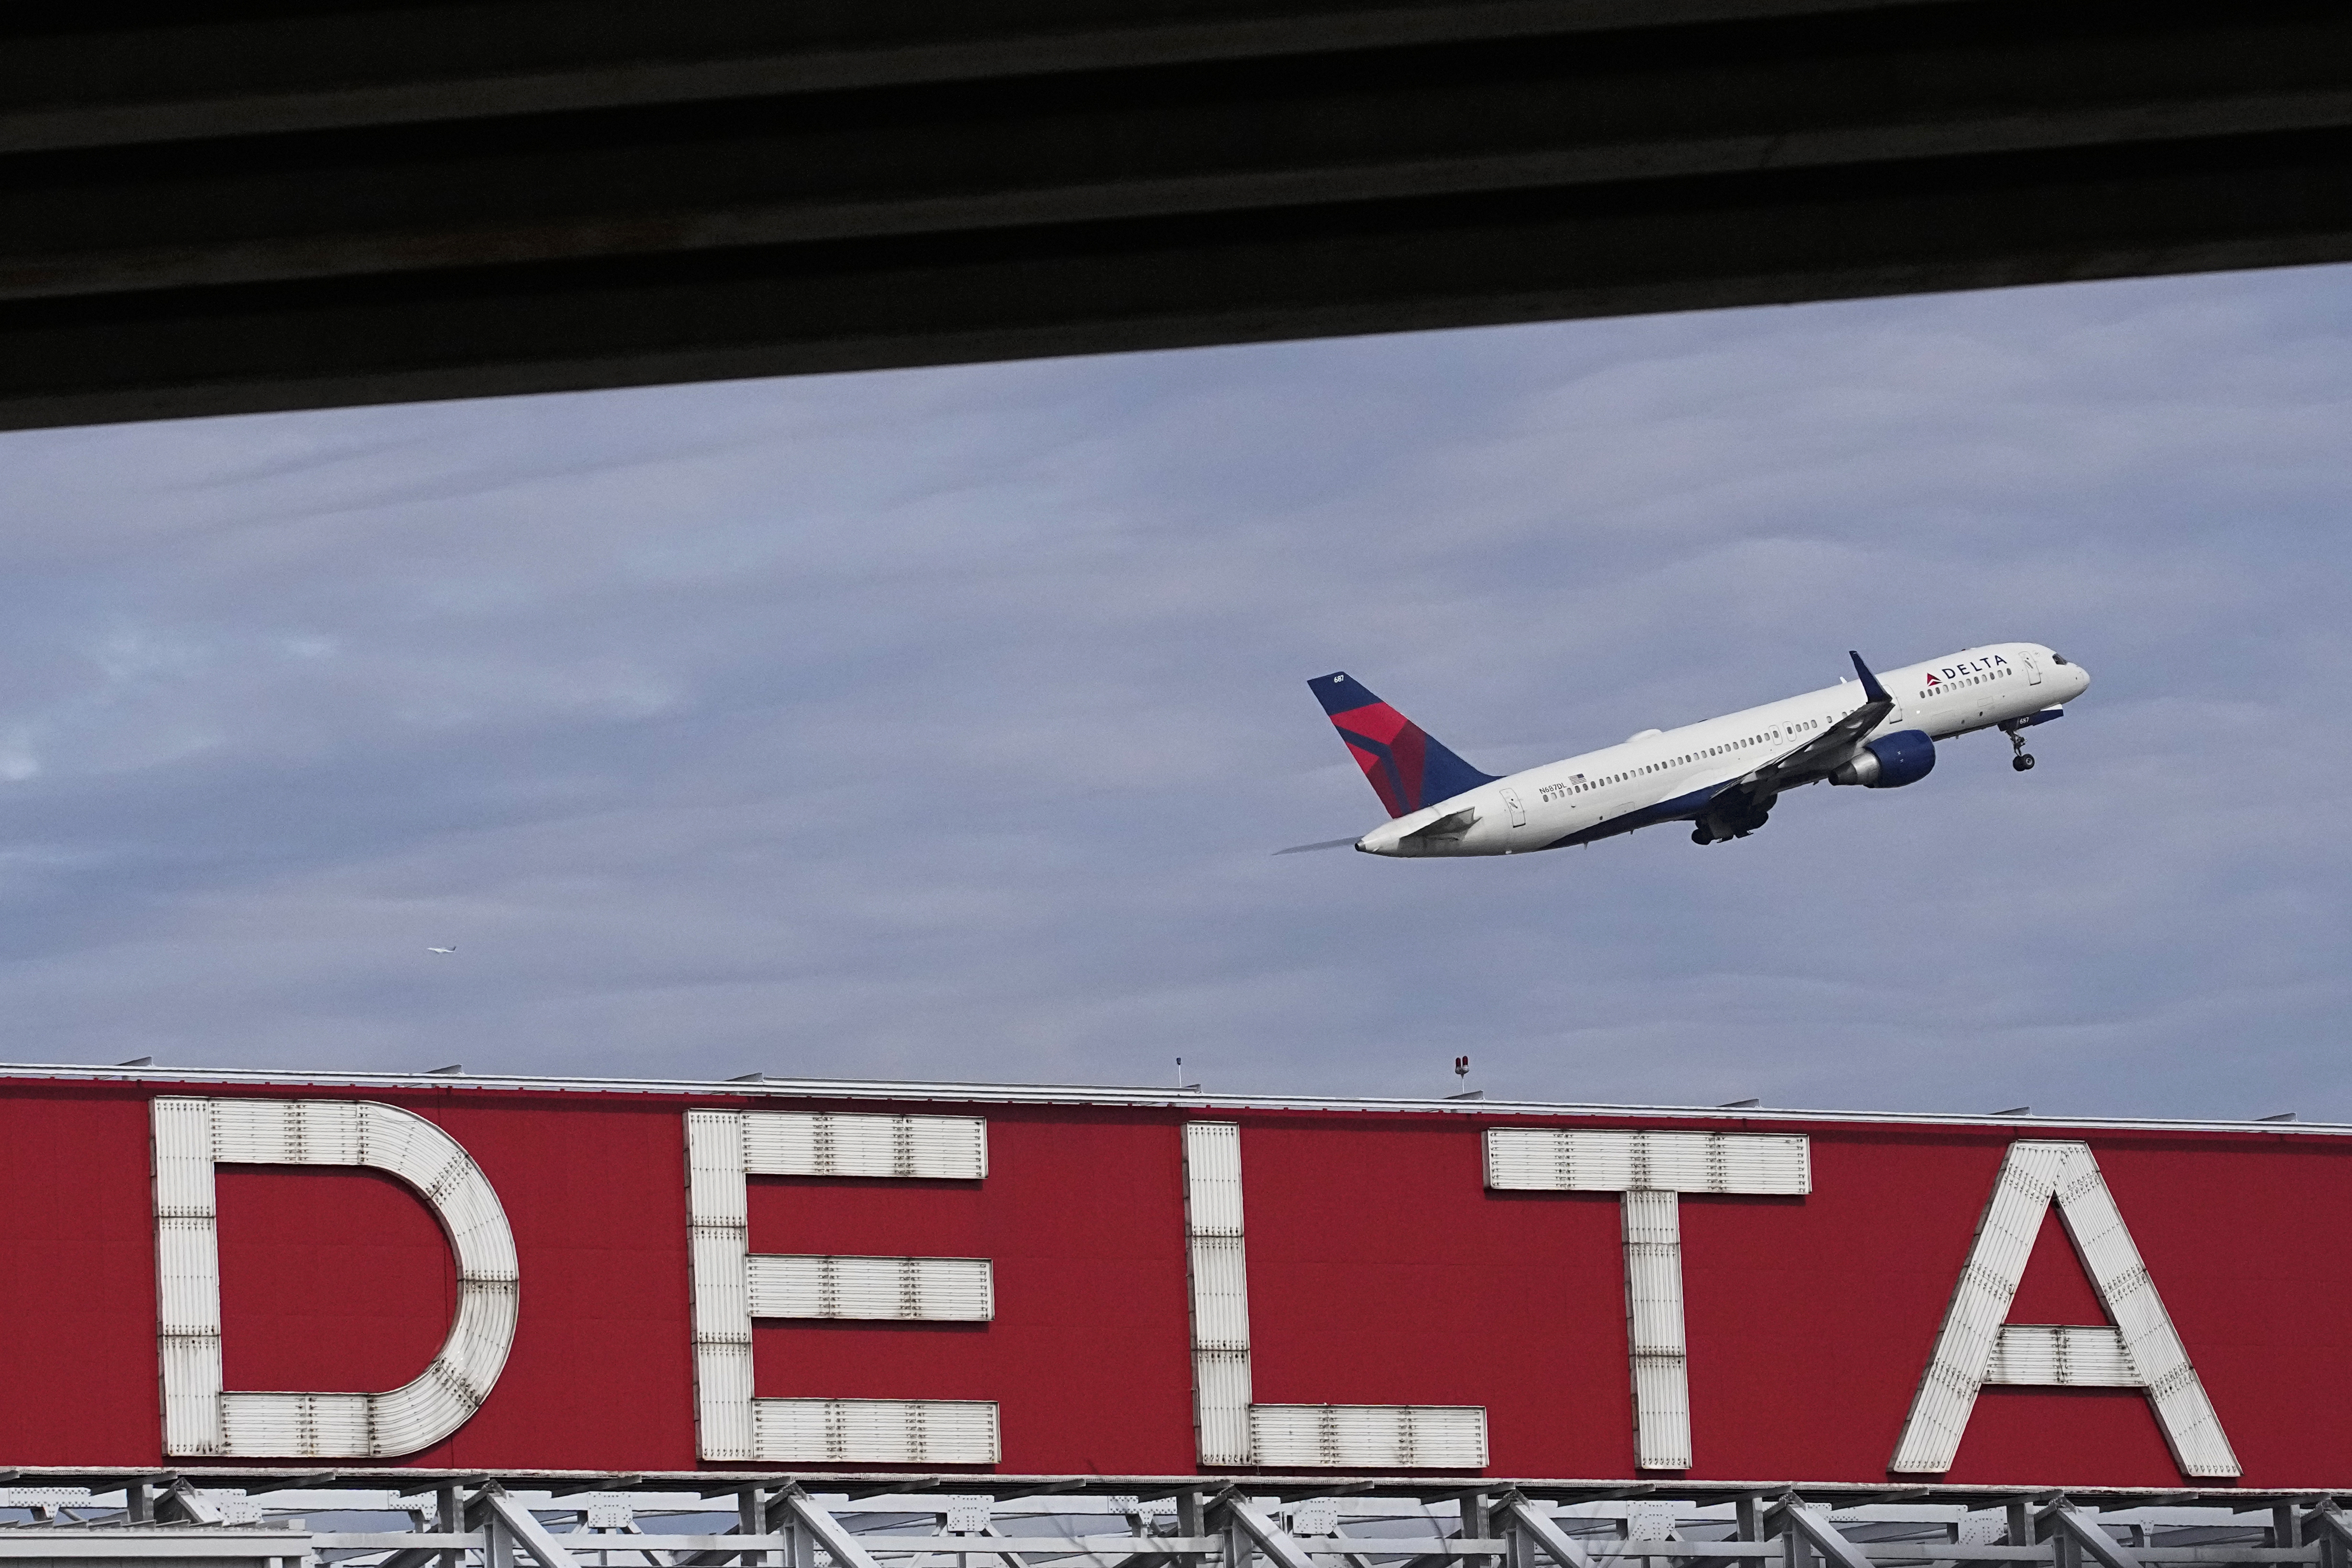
x=1409 y=768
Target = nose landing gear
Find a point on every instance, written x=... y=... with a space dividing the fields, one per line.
x=2023 y=760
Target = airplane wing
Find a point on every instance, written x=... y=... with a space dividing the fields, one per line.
x=1832 y=743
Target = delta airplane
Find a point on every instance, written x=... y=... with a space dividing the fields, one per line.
x=1722 y=775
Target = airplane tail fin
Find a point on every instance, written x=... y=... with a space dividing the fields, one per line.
x=1409 y=768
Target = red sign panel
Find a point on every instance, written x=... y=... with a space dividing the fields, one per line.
x=627 y=1279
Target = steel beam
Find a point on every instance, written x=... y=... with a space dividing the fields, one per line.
x=515 y=1521
x=2063 y=1519
x=2326 y=1525
x=830 y=1533
x=1521 y=1515
x=1814 y=1530
x=1278 y=1543
x=181 y=1499
x=284 y=207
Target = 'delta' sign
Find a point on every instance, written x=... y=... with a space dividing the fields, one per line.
x=230 y=1269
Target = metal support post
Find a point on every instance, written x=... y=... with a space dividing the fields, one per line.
x=752 y=1519
x=510 y=1519
x=181 y=1499
x=1528 y=1523
x=2021 y=1523
x=1190 y=1520
x=1474 y=1526
x=830 y=1533
x=2081 y=1536
x=1748 y=1517
x=134 y=1502
x=2327 y=1524
x=2282 y=1530
x=1281 y=1548
x=1238 y=1550
x=800 y=1543
x=1797 y=1520
x=448 y=1519
x=1519 y=1549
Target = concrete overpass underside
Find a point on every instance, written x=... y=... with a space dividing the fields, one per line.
x=287 y=205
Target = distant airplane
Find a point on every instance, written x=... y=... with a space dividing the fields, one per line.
x=1722 y=775
x=440 y=949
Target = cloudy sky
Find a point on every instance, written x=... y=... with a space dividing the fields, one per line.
x=940 y=722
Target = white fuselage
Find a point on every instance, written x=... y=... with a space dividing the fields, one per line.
x=1626 y=786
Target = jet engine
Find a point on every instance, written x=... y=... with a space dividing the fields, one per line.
x=1890 y=762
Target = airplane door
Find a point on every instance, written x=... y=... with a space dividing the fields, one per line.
x=1518 y=812
x=2033 y=670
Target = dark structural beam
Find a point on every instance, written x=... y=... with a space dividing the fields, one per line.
x=279 y=205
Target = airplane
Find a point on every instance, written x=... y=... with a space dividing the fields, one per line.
x=1721 y=775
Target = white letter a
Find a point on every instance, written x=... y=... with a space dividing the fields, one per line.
x=1976 y=1346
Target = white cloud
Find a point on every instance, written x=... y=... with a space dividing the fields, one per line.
x=940 y=723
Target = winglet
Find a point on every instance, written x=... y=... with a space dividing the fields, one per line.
x=1870 y=686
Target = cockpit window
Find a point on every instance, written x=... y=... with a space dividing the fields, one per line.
x=2057 y=658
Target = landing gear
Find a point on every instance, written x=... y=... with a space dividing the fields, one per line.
x=2023 y=761
x=1701 y=836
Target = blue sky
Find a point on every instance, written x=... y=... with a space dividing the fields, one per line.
x=940 y=722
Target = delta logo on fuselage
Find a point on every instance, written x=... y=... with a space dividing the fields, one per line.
x=1971 y=667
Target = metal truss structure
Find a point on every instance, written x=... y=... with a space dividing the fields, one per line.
x=442 y=1520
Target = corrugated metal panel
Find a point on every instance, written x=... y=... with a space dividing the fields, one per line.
x=1220 y=1405
x=935 y=1148
x=187 y=1276
x=1217 y=1268
x=288 y=1133
x=2004 y=1240
x=720 y=1242
x=2032 y=1175
x=1399 y=1437
x=2064 y=1356
x=299 y=1426
x=1653 y=1311
x=923 y=1290
x=875 y=1432
x=1212 y=1178
x=1559 y=1159
x=191 y=1136
x=731 y=1287
x=2129 y=1294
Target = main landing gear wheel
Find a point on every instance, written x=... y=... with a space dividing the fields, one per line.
x=1701 y=836
x=2022 y=762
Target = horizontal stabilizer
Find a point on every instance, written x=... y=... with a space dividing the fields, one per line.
x=1451 y=822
